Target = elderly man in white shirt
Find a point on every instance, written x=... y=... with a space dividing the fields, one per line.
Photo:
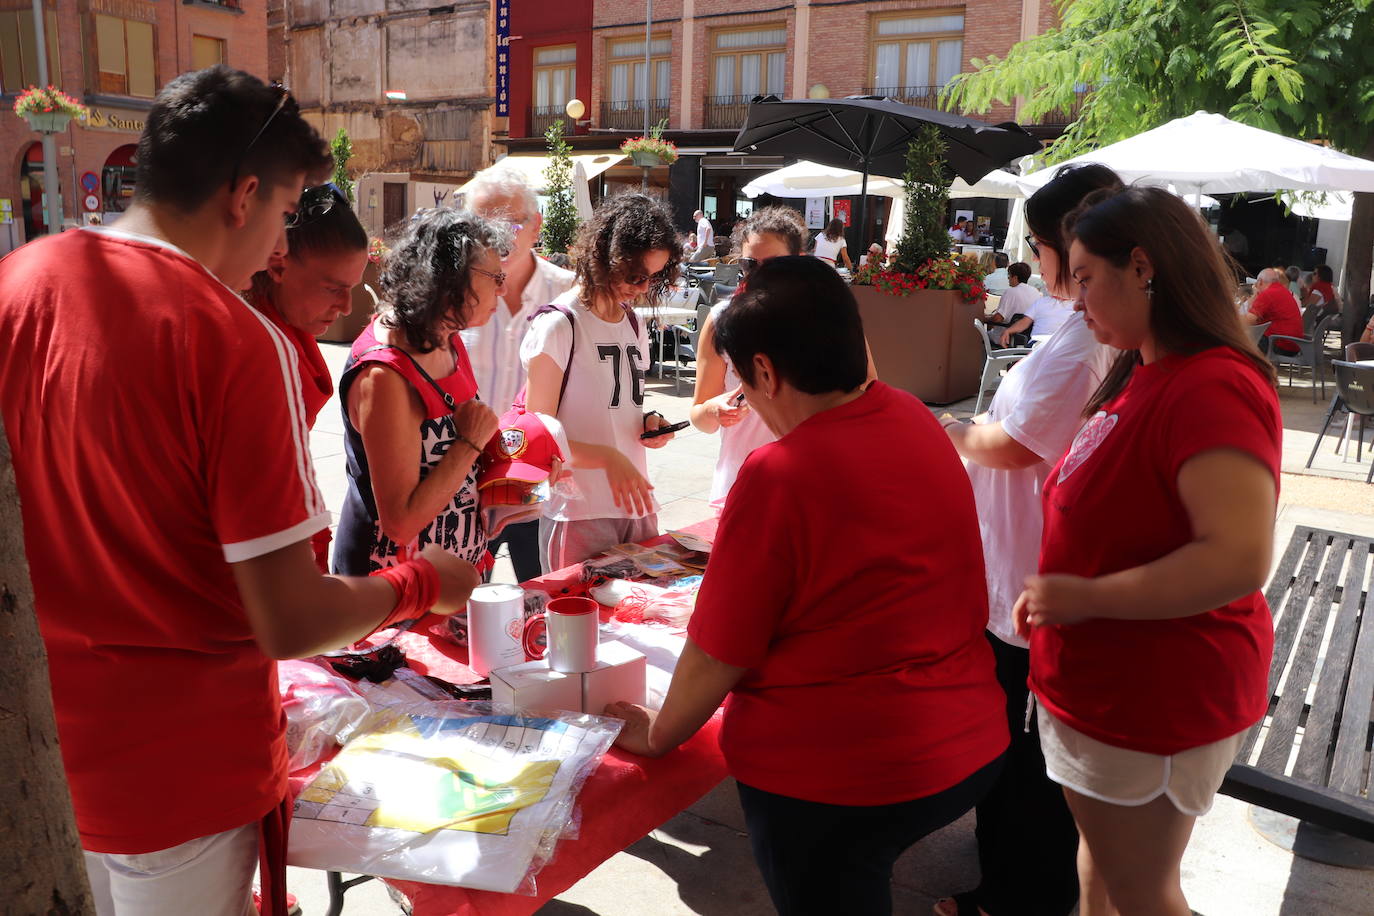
x=494 y=348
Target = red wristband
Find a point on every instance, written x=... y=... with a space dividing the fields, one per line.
x=416 y=583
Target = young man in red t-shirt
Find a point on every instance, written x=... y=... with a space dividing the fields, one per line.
x=1275 y=304
x=162 y=461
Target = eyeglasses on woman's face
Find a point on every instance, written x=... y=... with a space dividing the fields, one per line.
x=747 y=266
x=1034 y=245
x=498 y=276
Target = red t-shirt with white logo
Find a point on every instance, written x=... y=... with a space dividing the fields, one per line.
x=1112 y=503
x=847 y=576
x=159 y=435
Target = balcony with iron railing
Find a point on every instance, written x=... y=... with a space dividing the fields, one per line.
x=922 y=96
x=726 y=112
x=1063 y=117
x=629 y=115
x=543 y=116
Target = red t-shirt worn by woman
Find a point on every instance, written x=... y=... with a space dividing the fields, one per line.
x=1112 y=503
x=847 y=576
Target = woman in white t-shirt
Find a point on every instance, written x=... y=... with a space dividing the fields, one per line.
x=586 y=361
x=1027 y=841
x=830 y=245
x=717 y=403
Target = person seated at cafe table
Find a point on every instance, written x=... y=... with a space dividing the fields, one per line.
x=998 y=280
x=1016 y=301
x=829 y=245
x=1042 y=318
x=1322 y=292
x=307 y=288
x=845 y=637
x=1273 y=303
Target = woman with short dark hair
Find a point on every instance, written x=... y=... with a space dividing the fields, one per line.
x=828 y=609
x=586 y=360
x=310 y=286
x=408 y=390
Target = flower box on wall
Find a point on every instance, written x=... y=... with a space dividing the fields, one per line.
x=924 y=342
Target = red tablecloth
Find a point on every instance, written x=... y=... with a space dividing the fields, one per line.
x=622 y=801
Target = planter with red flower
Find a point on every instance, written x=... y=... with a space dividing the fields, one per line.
x=651 y=151
x=48 y=110
x=918 y=311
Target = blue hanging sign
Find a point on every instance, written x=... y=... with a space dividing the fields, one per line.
x=503 y=58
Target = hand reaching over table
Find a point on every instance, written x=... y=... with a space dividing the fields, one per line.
x=634 y=737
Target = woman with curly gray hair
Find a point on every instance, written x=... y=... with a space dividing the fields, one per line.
x=408 y=389
x=585 y=359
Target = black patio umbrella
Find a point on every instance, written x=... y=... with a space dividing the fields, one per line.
x=870 y=135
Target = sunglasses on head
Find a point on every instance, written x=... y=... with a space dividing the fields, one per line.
x=283 y=96
x=314 y=203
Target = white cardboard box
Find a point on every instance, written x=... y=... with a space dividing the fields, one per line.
x=619 y=676
x=534 y=685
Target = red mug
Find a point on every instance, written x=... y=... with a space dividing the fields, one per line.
x=572 y=628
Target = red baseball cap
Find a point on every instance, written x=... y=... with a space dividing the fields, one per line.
x=523 y=449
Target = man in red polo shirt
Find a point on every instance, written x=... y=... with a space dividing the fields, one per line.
x=1275 y=304
x=163 y=466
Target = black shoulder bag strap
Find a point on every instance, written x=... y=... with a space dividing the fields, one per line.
x=451 y=404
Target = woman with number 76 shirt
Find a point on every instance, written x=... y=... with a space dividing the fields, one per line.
x=585 y=358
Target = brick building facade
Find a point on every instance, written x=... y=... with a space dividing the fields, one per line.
x=113 y=55
x=707 y=58
x=411 y=83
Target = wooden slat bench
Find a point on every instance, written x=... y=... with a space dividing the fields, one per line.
x=1319 y=597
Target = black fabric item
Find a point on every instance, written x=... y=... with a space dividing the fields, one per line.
x=523 y=540
x=821 y=860
x=1027 y=840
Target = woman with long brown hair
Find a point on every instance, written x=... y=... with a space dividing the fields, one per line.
x=1150 y=640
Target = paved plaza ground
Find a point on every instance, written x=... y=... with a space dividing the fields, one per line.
x=699 y=862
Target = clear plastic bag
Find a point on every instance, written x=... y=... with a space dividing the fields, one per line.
x=464 y=794
x=322 y=710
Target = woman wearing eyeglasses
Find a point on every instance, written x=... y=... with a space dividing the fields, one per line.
x=306 y=288
x=1027 y=844
x=717 y=404
x=408 y=390
x=585 y=361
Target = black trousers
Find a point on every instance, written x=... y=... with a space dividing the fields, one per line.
x=523 y=541
x=833 y=859
x=1027 y=840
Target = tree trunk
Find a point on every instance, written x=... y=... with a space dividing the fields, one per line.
x=1359 y=261
x=41 y=867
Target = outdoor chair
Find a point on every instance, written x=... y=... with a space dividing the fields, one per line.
x=726 y=274
x=1358 y=351
x=994 y=364
x=1309 y=355
x=1256 y=331
x=684 y=346
x=1354 y=392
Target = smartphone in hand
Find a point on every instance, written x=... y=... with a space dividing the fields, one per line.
x=664 y=430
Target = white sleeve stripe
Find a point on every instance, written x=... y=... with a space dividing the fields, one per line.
x=291 y=378
x=247 y=550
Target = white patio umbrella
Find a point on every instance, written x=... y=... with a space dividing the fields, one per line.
x=1208 y=153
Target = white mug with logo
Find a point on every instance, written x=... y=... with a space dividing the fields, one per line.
x=572 y=626
x=496 y=621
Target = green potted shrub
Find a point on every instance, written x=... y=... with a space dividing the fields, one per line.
x=918 y=310
x=48 y=110
x=652 y=150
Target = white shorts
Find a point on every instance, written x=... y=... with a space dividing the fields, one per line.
x=1120 y=776
x=210 y=875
